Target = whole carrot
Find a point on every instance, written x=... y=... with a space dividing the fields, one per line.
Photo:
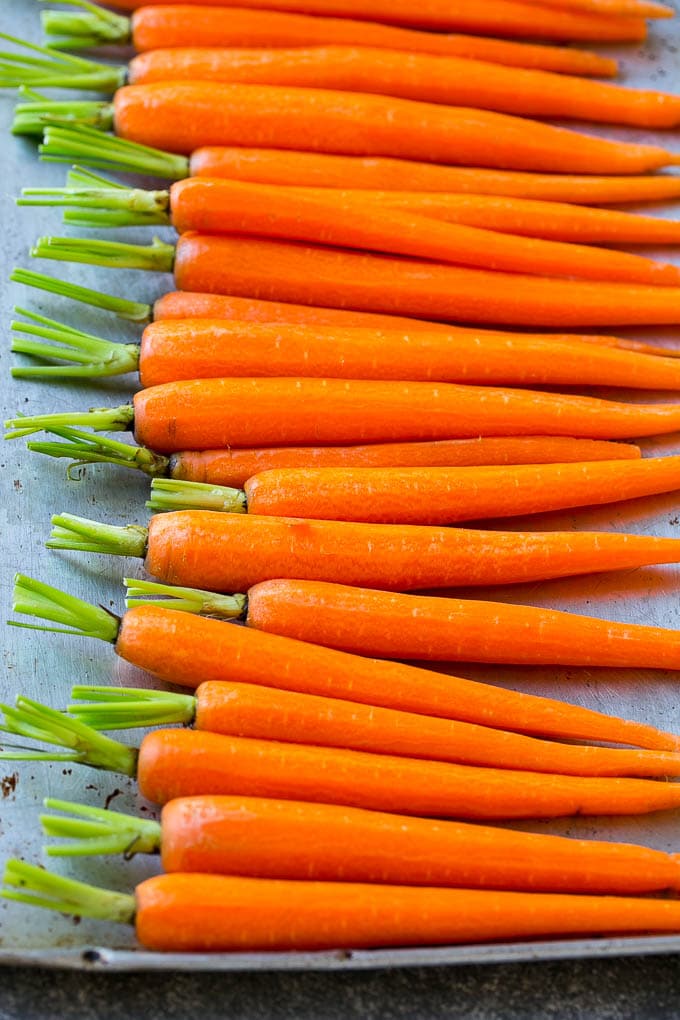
x=209 y=913
x=250 y=710
x=208 y=348
x=234 y=835
x=189 y=650
x=165 y=27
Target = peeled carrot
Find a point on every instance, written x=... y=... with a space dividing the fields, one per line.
x=252 y=711
x=235 y=835
x=183 y=115
x=627 y=8
x=426 y=78
x=154 y=28
x=189 y=650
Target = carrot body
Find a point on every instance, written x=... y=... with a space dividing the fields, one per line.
x=249 y=710
x=274 y=270
x=447 y=495
x=237 y=207
x=322 y=170
x=199 y=414
x=231 y=552
x=456 y=81
x=416 y=627
x=496 y=17
x=180 y=763
x=209 y=348
x=235 y=467
x=180 y=116
x=294 y=840
x=185 y=913
x=155 y=28
x=189 y=650
x=627 y=8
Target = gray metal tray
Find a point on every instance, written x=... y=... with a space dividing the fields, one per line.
x=43 y=666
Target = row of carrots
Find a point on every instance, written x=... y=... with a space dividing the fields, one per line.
x=311 y=421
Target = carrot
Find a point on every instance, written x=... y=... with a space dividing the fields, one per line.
x=234 y=835
x=237 y=207
x=630 y=8
x=456 y=81
x=249 y=710
x=495 y=17
x=189 y=650
x=209 y=913
x=154 y=28
x=176 y=762
x=209 y=348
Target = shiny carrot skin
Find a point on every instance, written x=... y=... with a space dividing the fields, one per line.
x=499 y=17
x=253 y=711
x=180 y=116
x=167 y=27
x=294 y=840
x=448 y=495
x=199 y=414
x=400 y=626
x=425 y=78
x=308 y=274
x=180 y=763
x=189 y=650
x=230 y=552
x=323 y=170
x=238 y=207
x=235 y=467
x=209 y=348
x=198 y=913
x=626 y=8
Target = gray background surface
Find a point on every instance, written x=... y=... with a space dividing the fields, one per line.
x=32 y=488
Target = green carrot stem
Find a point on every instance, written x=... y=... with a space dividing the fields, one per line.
x=112 y=205
x=99 y=419
x=73 y=615
x=85 y=745
x=98 y=831
x=89 y=147
x=33 y=117
x=84 y=448
x=187 y=600
x=54 y=69
x=71 y=532
x=123 y=708
x=82 y=354
x=39 y=888
x=134 y=311
x=157 y=257
x=176 y=494
x=95 y=27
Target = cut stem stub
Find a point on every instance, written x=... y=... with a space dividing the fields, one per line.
x=26 y=883
x=93 y=830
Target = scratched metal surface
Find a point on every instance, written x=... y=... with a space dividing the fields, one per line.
x=44 y=666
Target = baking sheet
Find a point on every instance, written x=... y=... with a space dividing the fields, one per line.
x=45 y=665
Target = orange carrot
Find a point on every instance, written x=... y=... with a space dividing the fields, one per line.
x=154 y=28
x=183 y=115
x=456 y=81
x=627 y=8
x=252 y=711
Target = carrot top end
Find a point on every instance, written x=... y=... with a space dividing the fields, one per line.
x=71 y=615
x=84 y=448
x=71 y=532
x=98 y=831
x=84 y=143
x=157 y=257
x=177 y=494
x=186 y=600
x=31 y=118
x=95 y=26
x=133 y=311
x=48 y=67
x=99 y=419
x=39 y=888
x=125 y=708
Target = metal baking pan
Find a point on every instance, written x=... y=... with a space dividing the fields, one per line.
x=44 y=665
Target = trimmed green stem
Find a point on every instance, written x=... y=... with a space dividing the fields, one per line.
x=74 y=615
x=54 y=69
x=134 y=311
x=84 y=745
x=186 y=600
x=177 y=494
x=33 y=117
x=98 y=831
x=40 y=888
x=126 y=708
x=157 y=257
x=109 y=206
x=71 y=532
x=95 y=27
x=84 y=448
x=82 y=355
x=99 y=419
x=89 y=147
